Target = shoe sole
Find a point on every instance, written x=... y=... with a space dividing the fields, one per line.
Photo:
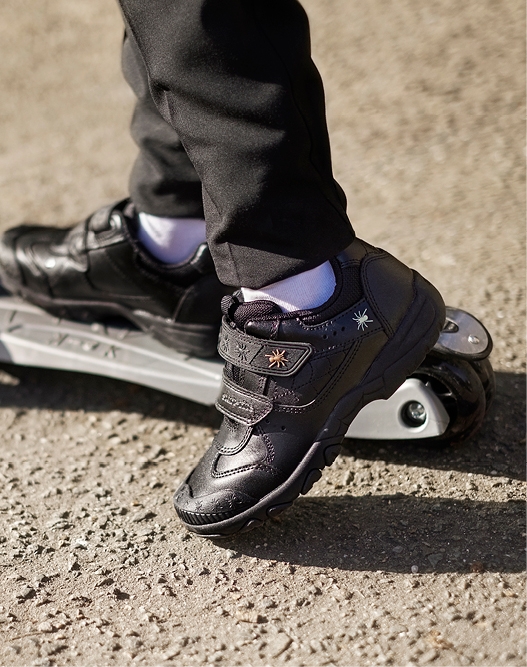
x=198 y=340
x=407 y=349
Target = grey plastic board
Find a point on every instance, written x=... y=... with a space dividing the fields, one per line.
x=31 y=337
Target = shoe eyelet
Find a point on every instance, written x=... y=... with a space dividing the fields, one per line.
x=334 y=333
x=324 y=336
x=343 y=329
x=282 y=428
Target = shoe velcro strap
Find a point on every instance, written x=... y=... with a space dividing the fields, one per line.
x=242 y=405
x=262 y=356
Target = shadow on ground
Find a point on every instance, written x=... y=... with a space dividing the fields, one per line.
x=26 y=388
x=394 y=533
x=367 y=532
x=497 y=449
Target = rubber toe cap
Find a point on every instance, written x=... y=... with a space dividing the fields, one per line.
x=210 y=508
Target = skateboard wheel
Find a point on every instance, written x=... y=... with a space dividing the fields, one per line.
x=486 y=374
x=460 y=389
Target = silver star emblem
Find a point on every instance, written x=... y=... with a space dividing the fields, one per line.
x=361 y=319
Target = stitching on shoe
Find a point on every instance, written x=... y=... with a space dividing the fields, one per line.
x=229 y=451
x=228 y=402
x=266 y=466
x=310 y=379
x=253 y=466
x=269 y=445
x=281 y=392
x=321 y=397
x=371 y=297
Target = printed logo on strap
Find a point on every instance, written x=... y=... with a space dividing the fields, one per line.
x=242 y=405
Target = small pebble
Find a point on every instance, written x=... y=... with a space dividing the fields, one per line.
x=249 y=616
x=434 y=559
x=347 y=478
x=45 y=626
x=26 y=593
x=278 y=645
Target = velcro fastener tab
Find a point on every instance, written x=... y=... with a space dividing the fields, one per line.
x=262 y=356
x=242 y=405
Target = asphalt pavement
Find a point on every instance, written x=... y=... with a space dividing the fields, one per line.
x=403 y=554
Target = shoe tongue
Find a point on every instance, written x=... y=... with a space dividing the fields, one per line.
x=243 y=313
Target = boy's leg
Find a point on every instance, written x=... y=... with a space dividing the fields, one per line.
x=164 y=185
x=163 y=181
x=236 y=80
x=260 y=142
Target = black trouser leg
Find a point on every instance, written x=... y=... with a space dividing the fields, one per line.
x=163 y=179
x=236 y=81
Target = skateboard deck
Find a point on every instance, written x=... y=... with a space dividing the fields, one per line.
x=31 y=337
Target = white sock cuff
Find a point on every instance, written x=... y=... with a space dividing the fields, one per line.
x=171 y=240
x=308 y=289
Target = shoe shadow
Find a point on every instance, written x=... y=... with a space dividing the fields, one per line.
x=498 y=448
x=393 y=534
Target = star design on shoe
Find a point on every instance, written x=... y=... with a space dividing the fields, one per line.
x=277 y=358
x=227 y=503
x=223 y=345
x=242 y=351
x=362 y=319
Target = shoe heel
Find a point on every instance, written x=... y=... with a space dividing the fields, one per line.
x=196 y=340
x=401 y=356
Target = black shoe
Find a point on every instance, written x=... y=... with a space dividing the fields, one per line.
x=293 y=382
x=97 y=269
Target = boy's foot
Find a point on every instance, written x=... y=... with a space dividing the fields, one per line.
x=98 y=269
x=293 y=382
